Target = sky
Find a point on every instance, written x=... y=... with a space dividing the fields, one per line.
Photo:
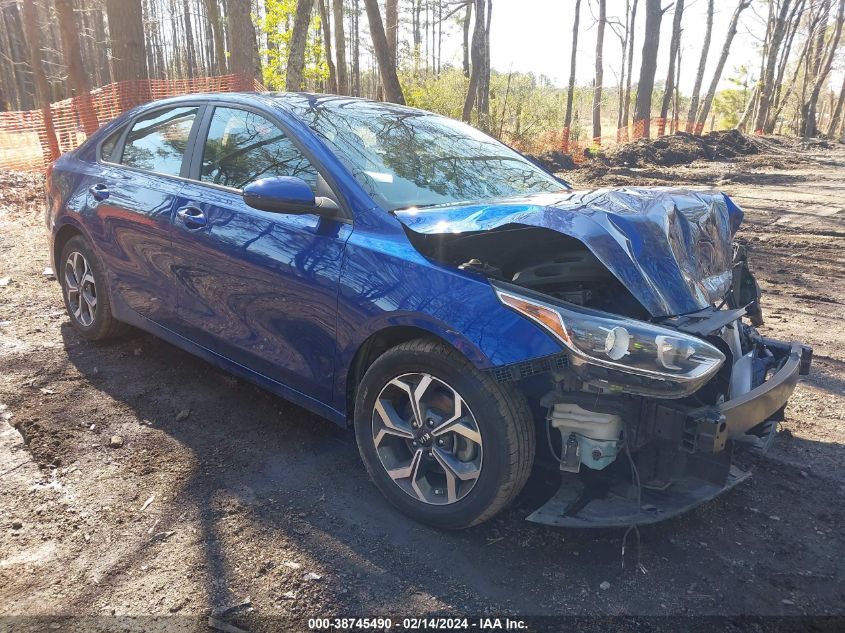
x=536 y=36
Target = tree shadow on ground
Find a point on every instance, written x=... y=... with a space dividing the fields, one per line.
x=286 y=475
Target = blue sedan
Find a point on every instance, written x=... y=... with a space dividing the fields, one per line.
x=470 y=315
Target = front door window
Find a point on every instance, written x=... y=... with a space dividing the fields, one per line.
x=243 y=146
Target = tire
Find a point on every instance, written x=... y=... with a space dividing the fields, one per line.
x=93 y=323
x=494 y=435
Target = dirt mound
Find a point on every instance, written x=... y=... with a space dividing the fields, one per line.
x=553 y=161
x=729 y=144
x=681 y=148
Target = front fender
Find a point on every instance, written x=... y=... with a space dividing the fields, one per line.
x=389 y=285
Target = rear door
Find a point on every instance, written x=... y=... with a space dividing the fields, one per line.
x=135 y=197
x=257 y=287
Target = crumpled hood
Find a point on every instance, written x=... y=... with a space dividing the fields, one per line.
x=672 y=248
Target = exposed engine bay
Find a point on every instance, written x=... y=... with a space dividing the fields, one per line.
x=559 y=266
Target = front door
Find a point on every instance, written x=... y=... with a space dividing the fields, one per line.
x=259 y=288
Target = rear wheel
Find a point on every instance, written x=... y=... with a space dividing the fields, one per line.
x=85 y=293
x=442 y=441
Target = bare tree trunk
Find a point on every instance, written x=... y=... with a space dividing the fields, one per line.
x=416 y=27
x=648 y=67
x=80 y=82
x=296 y=49
x=676 y=97
x=598 y=78
x=439 y=37
x=621 y=84
x=767 y=38
x=391 y=27
x=699 y=75
x=8 y=67
x=627 y=105
x=19 y=60
x=327 y=42
x=387 y=68
x=51 y=51
x=101 y=46
x=213 y=12
x=570 y=93
x=477 y=55
x=356 y=55
x=340 y=47
x=767 y=79
x=190 y=50
x=792 y=26
x=809 y=106
x=812 y=68
x=209 y=64
x=243 y=50
x=800 y=62
x=483 y=102
x=42 y=87
x=674 y=45
x=717 y=74
x=126 y=33
x=467 y=20
x=749 y=108
x=837 y=113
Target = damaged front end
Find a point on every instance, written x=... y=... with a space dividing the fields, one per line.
x=661 y=378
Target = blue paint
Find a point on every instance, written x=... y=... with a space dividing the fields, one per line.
x=672 y=248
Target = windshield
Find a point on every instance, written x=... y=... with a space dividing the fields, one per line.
x=404 y=157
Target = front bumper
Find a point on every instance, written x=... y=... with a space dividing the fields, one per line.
x=758 y=405
x=700 y=435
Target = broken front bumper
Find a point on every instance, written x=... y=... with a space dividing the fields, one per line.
x=701 y=435
x=762 y=402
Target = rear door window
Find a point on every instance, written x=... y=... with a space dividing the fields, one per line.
x=157 y=142
x=243 y=146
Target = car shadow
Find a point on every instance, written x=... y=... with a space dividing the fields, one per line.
x=267 y=472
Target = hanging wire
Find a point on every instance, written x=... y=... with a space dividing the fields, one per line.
x=635 y=477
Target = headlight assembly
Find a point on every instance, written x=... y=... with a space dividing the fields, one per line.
x=622 y=354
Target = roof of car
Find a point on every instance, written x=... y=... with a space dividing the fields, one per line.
x=291 y=99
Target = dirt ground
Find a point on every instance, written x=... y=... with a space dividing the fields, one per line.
x=223 y=495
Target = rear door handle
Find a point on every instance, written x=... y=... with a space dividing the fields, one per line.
x=192 y=217
x=99 y=191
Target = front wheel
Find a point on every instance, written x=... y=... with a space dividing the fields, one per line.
x=442 y=441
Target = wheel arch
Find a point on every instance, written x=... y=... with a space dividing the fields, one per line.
x=62 y=236
x=377 y=344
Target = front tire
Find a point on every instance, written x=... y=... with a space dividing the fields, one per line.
x=85 y=292
x=441 y=440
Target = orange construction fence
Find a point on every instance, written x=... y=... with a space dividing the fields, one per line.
x=30 y=140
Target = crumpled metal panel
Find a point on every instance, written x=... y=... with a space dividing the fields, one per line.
x=671 y=247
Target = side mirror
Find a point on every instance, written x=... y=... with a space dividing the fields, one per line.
x=287 y=194
x=282 y=194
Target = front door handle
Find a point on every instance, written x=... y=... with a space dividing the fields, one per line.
x=192 y=217
x=99 y=191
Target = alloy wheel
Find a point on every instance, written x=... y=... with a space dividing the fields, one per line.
x=427 y=439
x=81 y=288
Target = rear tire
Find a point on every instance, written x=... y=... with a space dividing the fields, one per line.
x=466 y=458
x=85 y=291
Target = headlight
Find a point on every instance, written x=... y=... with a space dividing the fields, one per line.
x=623 y=354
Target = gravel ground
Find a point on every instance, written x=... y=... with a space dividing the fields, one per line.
x=140 y=481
